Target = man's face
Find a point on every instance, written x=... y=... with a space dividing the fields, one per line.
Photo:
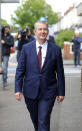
x=77 y=34
x=41 y=32
x=7 y=30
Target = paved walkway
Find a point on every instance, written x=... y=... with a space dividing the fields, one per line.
x=66 y=116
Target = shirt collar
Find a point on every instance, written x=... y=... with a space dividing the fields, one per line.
x=37 y=44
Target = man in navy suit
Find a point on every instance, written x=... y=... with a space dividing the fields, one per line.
x=40 y=76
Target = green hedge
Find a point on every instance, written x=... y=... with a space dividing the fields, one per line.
x=64 y=35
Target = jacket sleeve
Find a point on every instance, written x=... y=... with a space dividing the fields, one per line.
x=60 y=74
x=20 y=72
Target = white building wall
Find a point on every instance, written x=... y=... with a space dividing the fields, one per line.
x=69 y=20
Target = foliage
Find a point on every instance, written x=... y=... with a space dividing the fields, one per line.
x=3 y=22
x=64 y=35
x=14 y=29
x=80 y=34
x=31 y=10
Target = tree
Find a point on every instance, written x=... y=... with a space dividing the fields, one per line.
x=64 y=35
x=31 y=10
x=4 y=22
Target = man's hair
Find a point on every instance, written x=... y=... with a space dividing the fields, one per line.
x=76 y=32
x=40 y=22
x=7 y=26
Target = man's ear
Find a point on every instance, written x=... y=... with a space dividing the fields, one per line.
x=48 y=31
x=34 y=31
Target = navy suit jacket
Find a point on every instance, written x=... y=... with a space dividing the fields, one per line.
x=50 y=81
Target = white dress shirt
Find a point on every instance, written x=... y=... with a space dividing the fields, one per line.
x=43 y=50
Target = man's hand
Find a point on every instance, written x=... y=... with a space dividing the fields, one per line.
x=18 y=96
x=2 y=41
x=60 y=98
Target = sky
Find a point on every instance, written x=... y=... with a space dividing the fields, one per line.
x=7 y=9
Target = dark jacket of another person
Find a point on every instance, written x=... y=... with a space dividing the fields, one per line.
x=9 y=42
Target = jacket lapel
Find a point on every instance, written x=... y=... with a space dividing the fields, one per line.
x=34 y=54
x=47 y=56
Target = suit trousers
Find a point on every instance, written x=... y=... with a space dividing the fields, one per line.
x=40 y=112
x=76 y=57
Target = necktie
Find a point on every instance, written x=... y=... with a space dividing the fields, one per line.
x=40 y=57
